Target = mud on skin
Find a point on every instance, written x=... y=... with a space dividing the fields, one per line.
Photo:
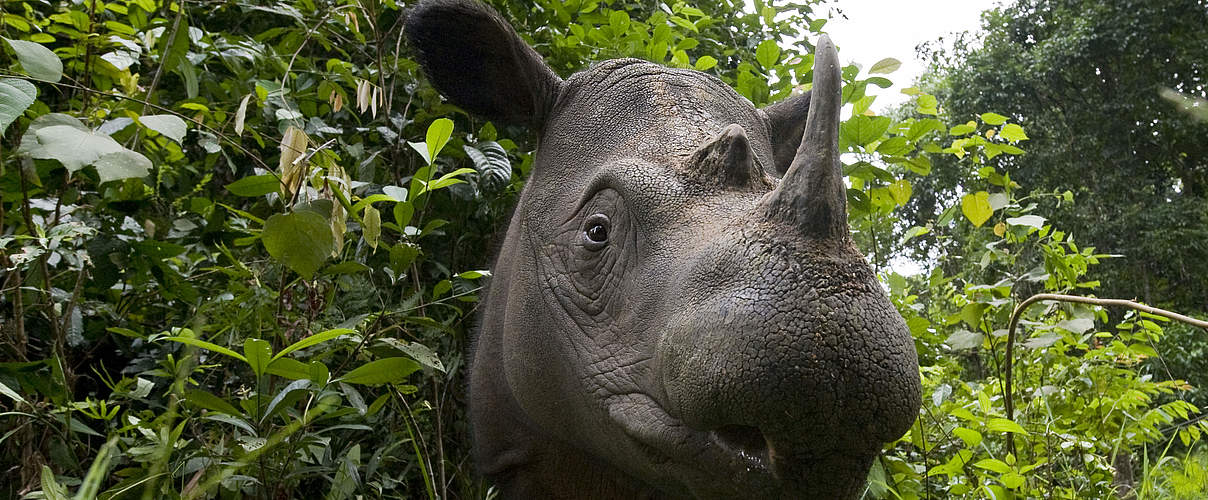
x=678 y=310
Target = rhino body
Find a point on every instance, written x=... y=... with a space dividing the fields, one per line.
x=678 y=309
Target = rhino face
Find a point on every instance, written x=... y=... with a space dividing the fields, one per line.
x=678 y=308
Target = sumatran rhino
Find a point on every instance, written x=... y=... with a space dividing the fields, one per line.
x=677 y=309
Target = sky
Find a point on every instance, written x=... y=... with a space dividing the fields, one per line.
x=876 y=29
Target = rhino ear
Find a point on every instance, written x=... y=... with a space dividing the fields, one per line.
x=786 y=124
x=475 y=58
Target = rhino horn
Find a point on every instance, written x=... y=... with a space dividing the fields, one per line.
x=728 y=160
x=811 y=195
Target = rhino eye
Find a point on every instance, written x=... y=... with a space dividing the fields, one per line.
x=595 y=232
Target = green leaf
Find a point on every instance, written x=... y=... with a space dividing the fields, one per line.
x=927 y=105
x=438 y=135
x=862 y=130
x=993 y=464
x=900 y=191
x=51 y=488
x=922 y=127
x=16 y=96
x=1012 y=480
x=962 y=129
x=964 y=339
x=441 y=288
x=122 y=164
x=971 y=314
x=38 y=61
x=171 y=126
x=705 y=63
x=372 y=227
x=971 y=437
x=72 y=147
x=97 y=472
x=203 y=399
x=618 y=20
x=301 y=240
x=894 y=146
x=173 y=51
x=289 y=368
x=767 y=53
x=993 y=119
x=1013 y=133
x=255 y=185
x=259 y=353
x=976 y=207
x=317 y=338
x=382 y=371
x=1004 y=425
x=206 y=345
x=885 y=66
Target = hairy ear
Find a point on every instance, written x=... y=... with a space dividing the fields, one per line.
x=479 y=63
x=786 y=125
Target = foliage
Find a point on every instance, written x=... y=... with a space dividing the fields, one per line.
x=1092 y=82
x=243 y=245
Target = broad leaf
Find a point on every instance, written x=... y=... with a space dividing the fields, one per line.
x=372 y=228
x=885 y=66
x=438 y=135
x=862 y=130
x=976 y=207
x=301 y=240
x=491 y=161
x=1004 y=425
x=993 y=119
x=259 y=353
x=122 y=164
x=767 y=53
x=38 y=61
x=171 y=126
x=16 y=96
x=203 y=399
x=255 y=185
x=382 y=371
x=1013 y=133
x=72 y=147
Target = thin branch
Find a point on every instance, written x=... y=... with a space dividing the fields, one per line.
x=1009 y=403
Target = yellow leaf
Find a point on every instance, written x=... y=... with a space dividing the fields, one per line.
x=292 y=169
x=976 y=207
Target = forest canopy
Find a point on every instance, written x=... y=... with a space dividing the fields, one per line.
x=242 y=244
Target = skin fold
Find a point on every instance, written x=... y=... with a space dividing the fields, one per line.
x=678 y=309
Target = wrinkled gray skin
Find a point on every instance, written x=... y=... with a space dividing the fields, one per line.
x=678 y=309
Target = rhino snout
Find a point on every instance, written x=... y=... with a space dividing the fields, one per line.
x=805 y=377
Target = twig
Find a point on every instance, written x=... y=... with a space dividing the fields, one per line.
x=1009 y=404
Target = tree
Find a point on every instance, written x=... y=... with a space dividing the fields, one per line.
x=1084 y=78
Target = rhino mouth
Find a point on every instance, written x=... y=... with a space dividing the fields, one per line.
x=747 y=442
x=729 y=461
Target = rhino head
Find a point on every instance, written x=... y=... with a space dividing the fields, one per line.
x=678 y=309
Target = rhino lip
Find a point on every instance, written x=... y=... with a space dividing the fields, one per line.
x=741 y=451
x=746 y=442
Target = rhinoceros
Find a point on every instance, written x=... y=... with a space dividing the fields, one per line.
x=677 y=309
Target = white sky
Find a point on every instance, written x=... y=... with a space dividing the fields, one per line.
x=876 y=29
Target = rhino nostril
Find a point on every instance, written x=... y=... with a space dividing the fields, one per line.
x=747 y=442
